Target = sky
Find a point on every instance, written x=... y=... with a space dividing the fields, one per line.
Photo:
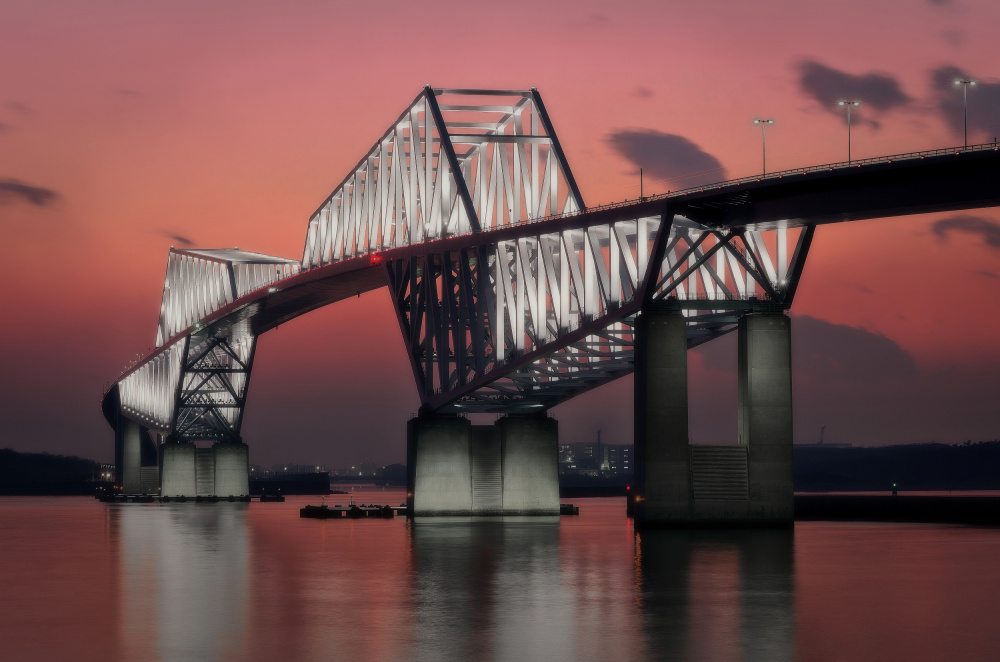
x=128 y=128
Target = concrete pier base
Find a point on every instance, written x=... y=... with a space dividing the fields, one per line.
x=232 y=469
x=746 y=483
x=130 y=433
x=456 y=468
x=178 y=470
x=765 y=415
x=136 y=458
x=530 y=465
x=662 y=463
x=439 y=466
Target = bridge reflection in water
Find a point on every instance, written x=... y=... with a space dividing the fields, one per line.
x=185 y=581
x=86 y=580
x=717 y=595
x=220 y=581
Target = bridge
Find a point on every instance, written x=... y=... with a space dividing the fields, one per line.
x=513 y=296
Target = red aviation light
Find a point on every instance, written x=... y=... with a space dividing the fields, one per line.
x=374 y=259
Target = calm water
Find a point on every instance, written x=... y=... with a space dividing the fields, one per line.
x=83 y=580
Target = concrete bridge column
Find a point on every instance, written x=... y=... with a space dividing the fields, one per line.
x=130 y=443
x=530 y=457
x=232 y=469
x=439 y=465
x=765 y=415
x=137 y=467
x=662 y=465
x=178 y=470
x=509 y=468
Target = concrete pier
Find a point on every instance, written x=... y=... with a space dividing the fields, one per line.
x=136 y=458
x=232 y=469
x=178 y=478
x=662 y=463
x=439 y=465
x=765 y=415
x=744 y=483
x=130 y=439
x=456 y=468
x=530 y=464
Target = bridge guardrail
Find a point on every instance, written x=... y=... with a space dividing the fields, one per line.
x=826 y=167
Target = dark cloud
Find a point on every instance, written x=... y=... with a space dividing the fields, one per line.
x=642 y=92
x=825 y=352
x=987 y=274
x=127 y=92
x=986 y=231
x=827 y=85
x=19 y=107
x=12 y=190
x=5 y=127
x=984 y=101
x=173 y=236
x=939 y=3
x=667 y=156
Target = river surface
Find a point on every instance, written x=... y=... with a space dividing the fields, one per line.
x=82 y=580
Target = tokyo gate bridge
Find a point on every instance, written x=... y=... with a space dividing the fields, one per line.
x=512 y=296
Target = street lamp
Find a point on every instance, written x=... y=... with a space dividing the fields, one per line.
x=965 y=83
x=763 y=135
x=848 y=105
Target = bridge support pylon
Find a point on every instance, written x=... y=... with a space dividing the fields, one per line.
x=178 y=479
x=765 y=415
x=747 y=483
x=456 y=468
x=136 y=466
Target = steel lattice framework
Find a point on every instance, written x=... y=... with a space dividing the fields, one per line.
x=509 y=292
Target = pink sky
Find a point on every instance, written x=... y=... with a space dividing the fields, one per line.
x=227 y=124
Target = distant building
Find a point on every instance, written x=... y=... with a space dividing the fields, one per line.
x=276 y=470
x=595 y=458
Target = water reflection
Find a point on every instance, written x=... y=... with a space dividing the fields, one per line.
x=488 y=589
x=716 y=594
x=184 y=580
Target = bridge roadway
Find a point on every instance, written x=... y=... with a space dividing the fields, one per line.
x=515 y=317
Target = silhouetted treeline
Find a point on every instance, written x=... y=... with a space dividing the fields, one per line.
x=44 y=474
x=914 y=467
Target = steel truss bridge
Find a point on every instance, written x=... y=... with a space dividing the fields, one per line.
x=511 y=294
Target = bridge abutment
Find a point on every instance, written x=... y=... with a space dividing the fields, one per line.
x=456 y=468
x=747 y=483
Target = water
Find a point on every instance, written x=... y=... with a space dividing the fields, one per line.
x=83 y=580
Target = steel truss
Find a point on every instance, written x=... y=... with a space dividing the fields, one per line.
x=523 y=315
x=199 y=282
x=216 y=375
x=532 y=321
x=407 y=189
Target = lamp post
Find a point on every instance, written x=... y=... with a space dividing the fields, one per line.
x=848 y=105
x=965 y=83
x=763 y=135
